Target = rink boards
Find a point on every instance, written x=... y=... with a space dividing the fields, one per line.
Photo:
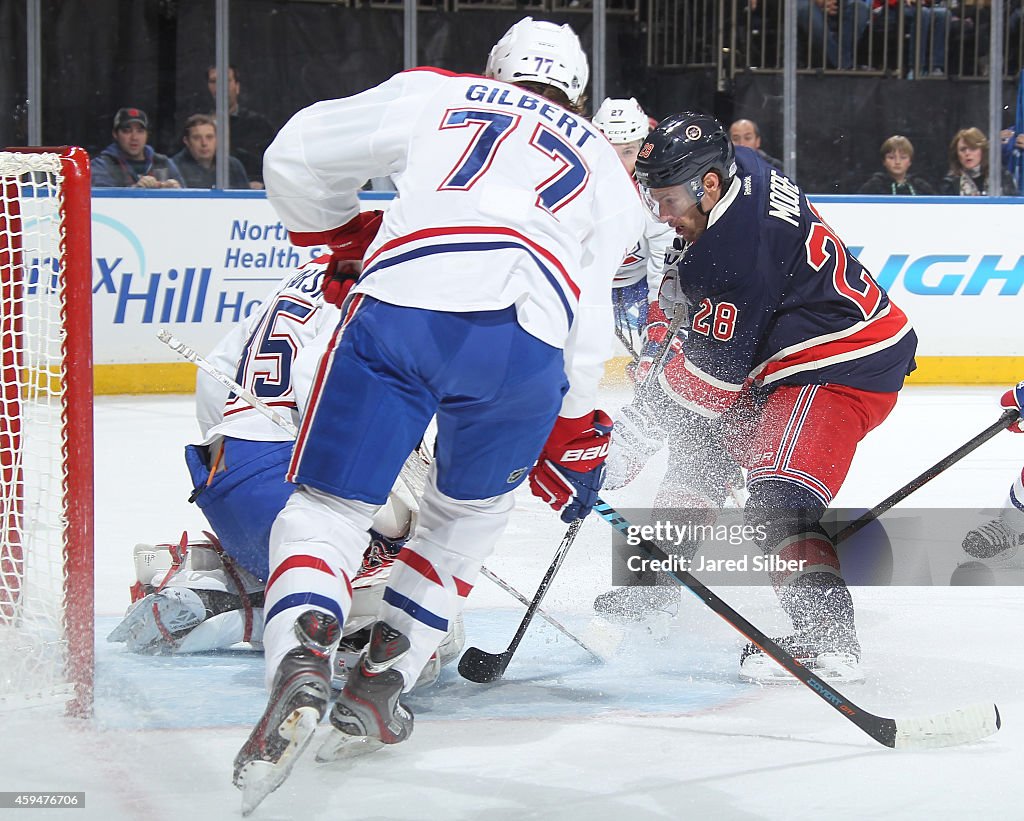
x=196 y=262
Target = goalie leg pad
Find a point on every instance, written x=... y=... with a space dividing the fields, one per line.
x=242 y=501
x=156 y=622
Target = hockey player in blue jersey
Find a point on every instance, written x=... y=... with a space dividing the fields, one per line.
x=793 y=355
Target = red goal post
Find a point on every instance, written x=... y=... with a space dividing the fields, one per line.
x=46 y=443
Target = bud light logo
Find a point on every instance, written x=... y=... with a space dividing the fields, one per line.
x=946 y=274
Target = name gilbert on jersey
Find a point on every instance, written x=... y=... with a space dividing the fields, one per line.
x=572 y=127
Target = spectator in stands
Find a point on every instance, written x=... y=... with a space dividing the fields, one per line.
x=129 y=162
x=1014 y=43
x=927 y=24
x=250 y=132
x=746 y=132
x=968 y=167
x=835 y=24
x=197 y=161
x=1013 y=155
x=897 y=156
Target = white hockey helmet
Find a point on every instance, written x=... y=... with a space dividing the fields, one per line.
x=541 y=52
x=622 y=121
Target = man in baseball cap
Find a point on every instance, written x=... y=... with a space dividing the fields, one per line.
x=125 y=116
x=129 y=162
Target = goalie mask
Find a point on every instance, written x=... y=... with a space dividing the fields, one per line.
x=540 y=52
x=622 y=121
x=679 y=152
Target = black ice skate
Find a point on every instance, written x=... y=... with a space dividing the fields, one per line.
x=832 y=654
x=367 y=714
x=298 y=700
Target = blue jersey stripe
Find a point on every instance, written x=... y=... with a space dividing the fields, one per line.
x=496 y=245
x=304 y=600
x=417 y=611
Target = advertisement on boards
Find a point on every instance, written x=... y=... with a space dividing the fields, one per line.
x=195 y=263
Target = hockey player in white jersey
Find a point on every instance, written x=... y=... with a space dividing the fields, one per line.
x=483 y=299
x=624 y=123
x=998 y=541
x=208 y=594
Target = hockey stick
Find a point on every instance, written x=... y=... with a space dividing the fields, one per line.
x=627 y=345
x=413 y=471
x=480 y=666
x=622 y=318
x=504 y=585
x=960 y=726
x=1007 y=418
x=658 y=363
x=193 y=356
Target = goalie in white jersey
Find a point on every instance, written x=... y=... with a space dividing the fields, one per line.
x=483 y=299
x=198 y=595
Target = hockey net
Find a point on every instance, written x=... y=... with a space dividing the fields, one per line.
x=46 y=457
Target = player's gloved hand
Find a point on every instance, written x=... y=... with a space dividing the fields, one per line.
x=1014 y=399
x=635 y=439
x=570 y=470
x=652 y=342
x=348 y=245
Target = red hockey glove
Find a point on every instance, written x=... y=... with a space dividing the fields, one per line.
x=570 y=470
x=1013 y=399
x=348 y=245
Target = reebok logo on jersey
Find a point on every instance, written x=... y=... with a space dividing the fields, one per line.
x=516 y=475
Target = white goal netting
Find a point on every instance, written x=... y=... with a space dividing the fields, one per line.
x=34 y=445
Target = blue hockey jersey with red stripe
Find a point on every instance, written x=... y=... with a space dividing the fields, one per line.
x=778 y=299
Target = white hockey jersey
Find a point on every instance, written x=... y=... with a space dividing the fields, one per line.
x=274 y=354
x=647 y=257
x=504 y=198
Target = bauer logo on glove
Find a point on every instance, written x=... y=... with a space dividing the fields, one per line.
x=580 y=455
x=569 y=483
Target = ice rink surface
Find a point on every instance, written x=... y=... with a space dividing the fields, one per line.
x=665 y=730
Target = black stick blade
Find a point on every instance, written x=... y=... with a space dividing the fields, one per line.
x=482 y=667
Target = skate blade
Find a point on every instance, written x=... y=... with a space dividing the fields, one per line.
x=258 y=779
x=341 y=746
x=767 y=672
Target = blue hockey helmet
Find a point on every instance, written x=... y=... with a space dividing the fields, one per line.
x=682 y=149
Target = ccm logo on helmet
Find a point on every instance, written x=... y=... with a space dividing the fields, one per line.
x=645 y=152
x=581 y=455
